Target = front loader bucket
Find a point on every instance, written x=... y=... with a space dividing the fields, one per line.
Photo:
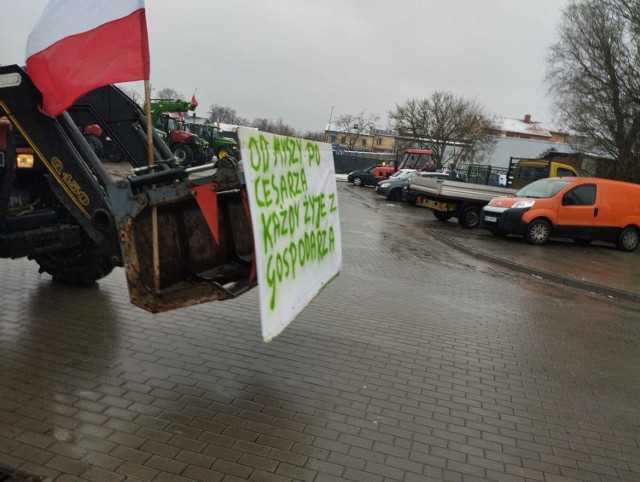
x=202 y=236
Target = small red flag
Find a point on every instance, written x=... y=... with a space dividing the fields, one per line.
x=194 y=101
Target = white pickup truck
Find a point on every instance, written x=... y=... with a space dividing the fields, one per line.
x=449 y=199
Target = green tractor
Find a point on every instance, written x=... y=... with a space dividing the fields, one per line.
x=221 y=146
x=188 y=148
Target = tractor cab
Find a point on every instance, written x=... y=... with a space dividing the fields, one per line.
x=170 y=124
x=188 y=148
x=418 y=159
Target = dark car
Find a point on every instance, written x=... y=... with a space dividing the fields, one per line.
x=410 y=196
x=392 y=187
x=363 y=177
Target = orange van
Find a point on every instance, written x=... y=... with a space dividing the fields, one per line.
x=581 y=208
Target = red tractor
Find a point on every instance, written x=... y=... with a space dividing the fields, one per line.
x=188 y=148
x=419 y=159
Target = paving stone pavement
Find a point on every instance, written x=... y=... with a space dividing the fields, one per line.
x=417 y=363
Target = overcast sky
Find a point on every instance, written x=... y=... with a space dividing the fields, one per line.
x=295 y=59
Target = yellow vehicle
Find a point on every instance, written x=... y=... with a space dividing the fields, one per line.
x=525 y=171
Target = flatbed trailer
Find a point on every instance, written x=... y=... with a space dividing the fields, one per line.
x=461 y=200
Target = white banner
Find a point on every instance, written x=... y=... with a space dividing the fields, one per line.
x=291 y=187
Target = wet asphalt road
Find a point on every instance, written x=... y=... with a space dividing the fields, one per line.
x=418 y=362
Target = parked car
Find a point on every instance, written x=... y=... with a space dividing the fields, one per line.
x=583 y=209
x=392 y=187
x=409 y=195
x=363 y=177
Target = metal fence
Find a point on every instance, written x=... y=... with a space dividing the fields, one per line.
x=489 y=175
x=345 y=162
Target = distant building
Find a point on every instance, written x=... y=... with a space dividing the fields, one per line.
x=529 y=129
x=371 y=140
x=523 y=138
x=508 y=147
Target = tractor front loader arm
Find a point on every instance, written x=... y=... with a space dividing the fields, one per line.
x=65 y=160
x=183 y=235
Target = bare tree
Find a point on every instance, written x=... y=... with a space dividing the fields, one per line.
x=218 y=113
x=168 y=93
x=594 y=74
x=228 y=115
x=629 y=10
x=261 y=124
x=285 y=129
x=275 y=127
x=133 y=95
x=356 y=126
x=454 y=128
x=313 y=136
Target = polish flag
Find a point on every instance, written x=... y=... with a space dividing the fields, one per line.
x=79 y=45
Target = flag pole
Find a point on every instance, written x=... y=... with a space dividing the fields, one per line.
x=154 y=209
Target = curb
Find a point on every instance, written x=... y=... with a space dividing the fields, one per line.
x=575 y=283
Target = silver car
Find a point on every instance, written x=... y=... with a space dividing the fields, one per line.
x=392 y=186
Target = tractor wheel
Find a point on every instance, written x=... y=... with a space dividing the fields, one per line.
x=469 y=217
x=538 y=232
x=96 y=145
x=183 y=154
x=628 y=239
x=224 y=152
x=442 y=216
x=80 y=266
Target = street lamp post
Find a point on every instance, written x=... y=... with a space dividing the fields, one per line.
x=330 y=115
x=372 y=130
